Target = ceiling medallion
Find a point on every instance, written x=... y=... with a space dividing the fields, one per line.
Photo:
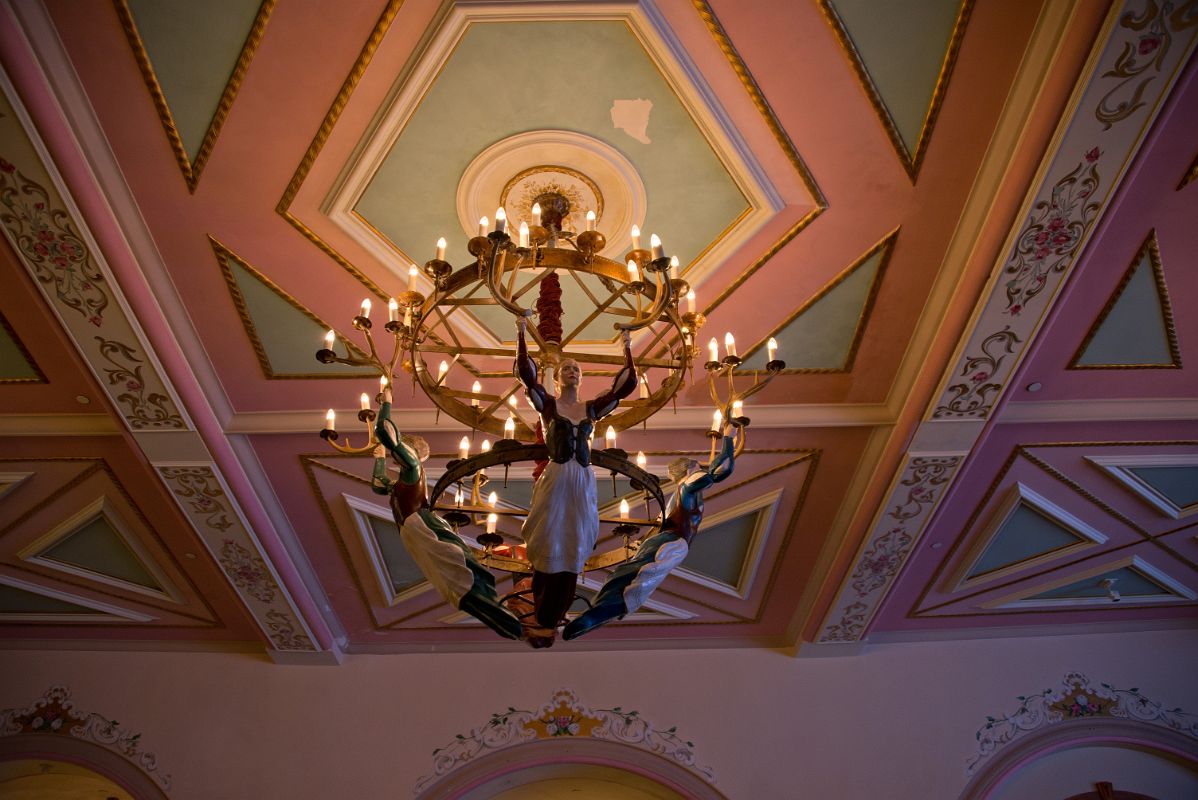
x=557 y=239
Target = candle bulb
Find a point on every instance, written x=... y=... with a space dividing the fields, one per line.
x=442 y=370
x=673 y=266
x=365 y=308
x=536 y=214
x=500 y=220
x=329 y=339
x=524 y=234
x=457 y=496
x=492 y=521
x=485 y=446
x=483 y=225
x=738 y=409
x=364 y=400
x=772 y=348
x=476 y=388
x=690 y=301
x=330 y=420
x=644 y=387
x=641 y=461
x=441 y=249
x=623 y=509
x=611 y=437
x=509 y=428
x=590 y=220
x=383 y=383
x=717 y=419
x=492 y=499
x=392 y=310
x=636 y=238
x=655 y=246
x=713 y=348
x=729 y=344
x=464 y=448
x=511 y=401
x=634 y=274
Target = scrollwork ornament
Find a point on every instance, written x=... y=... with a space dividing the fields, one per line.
x=199 y=488
x=1141 y=54
x=282 y=630
x=53 y=714
x=47 y=239
x=973 y=396
x=248 y=571
x=146 y=409
x=850 y=626
x=880 y=561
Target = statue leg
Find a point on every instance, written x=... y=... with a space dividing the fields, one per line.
x=609 y=603
x=553 y=594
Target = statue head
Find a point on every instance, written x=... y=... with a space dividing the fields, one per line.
x=418 y=445
x=568 y=373
x=679 y=468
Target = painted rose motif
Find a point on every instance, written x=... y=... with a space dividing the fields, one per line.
x=1083 y=707
x=247 y=571
x=562 y=726
x=1148 y=44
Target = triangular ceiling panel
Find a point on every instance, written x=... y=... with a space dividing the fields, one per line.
x=824 y=333
x=96 y=544
x=1168 y=482
x=193 y=57
x=1128 y=581
x=21 y=601
x=9 y=481
x=279 y=327
x=903 y=54
x=727 y=551
x=16 y=365
x=397 y=575
x=1135 y=330
x=1178 y=485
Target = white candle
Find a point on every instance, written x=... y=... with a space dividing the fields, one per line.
x=407 y=317
x=330 y=420
x=511 y=401
x=590 y=220
x=729 y=344
x=364 y=400
x=440 y=249
x=641 y=461
x=365 y=308
x=738 y=409
x=771 y=347
x=524 y=234
x=611 y=436
x=392 y=309
x=623 y=509
x=500 y=220
x=492 y=499
x=655 y=246
x=644 y=386
x=382 y=383
x=329 y=339
x=412 y=271
x=476 y=388
x=486 y=446
x=673 y=266
x=636 y=238
x=509 y=428
x=690 y=301
x=536 y=214
x=463 y=448
x=457 y=496
x=634 y=274
x=717 y=419
x=713 y=348
x=492 y=521
x=441 y=370
x=483 y=225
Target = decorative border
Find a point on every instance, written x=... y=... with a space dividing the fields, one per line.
x=562 y=716
x=886 y=248
x=1151 y=248
x=211 y=512
x=53 y=714
x=59 y=255
x=910 y=162
x=223 y=256
x=1191 y=174
x=40 y=377
x=908 y=508
x=191 y=170
x=1093 y=152
x=1076 y=698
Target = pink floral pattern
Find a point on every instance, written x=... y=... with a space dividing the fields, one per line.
x=1142 y=57
x=146 y=409
x=47 y=239
x=281 y=628
x=247 y=571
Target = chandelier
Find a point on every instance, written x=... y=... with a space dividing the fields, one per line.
x=523 y=275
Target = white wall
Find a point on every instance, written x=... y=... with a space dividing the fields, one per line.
x=896 y=722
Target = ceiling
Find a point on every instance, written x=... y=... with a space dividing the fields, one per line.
x=968 y=225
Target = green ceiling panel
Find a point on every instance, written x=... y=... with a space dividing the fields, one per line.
x=193 y=47
x=1129 y=582
x=821 y=337
x=719 y=552
x=98 y=547
x=15 y=365
x=401 y=569
x=902 y=46
x=20 y=601
x=1025 y=534
x=1133 y=332
x=1178 y=484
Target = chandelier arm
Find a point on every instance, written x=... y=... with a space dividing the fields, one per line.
x=495 y=272
x=590 y=318
x=664 y=292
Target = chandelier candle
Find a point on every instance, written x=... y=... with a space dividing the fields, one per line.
x=623 y=509
x=500 y=220
x=636 y=237
x=717 y=420
x=674 y=269
x=492 y=521
x=611 y=437
x=329 y=339
x=483 y=225
x=464 y=448
x=590 y=220
x=330 y=420
x=536 y=216
x=476 y=388
x=393 y=304
x=524 y=234
x=656 y=248
x=713 y=348
x=509 y=427
x=364 y=401
x=492 y=499
x=634 y=274
x=365 y=308
x=730 y=344
x=442 y=371
x=690 y=301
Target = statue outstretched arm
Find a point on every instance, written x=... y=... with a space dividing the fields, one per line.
x=526 y=369
x=389 y=437
x=623 y=385
x=716 y=471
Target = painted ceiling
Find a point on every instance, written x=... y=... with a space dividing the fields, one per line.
x=969 y=226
